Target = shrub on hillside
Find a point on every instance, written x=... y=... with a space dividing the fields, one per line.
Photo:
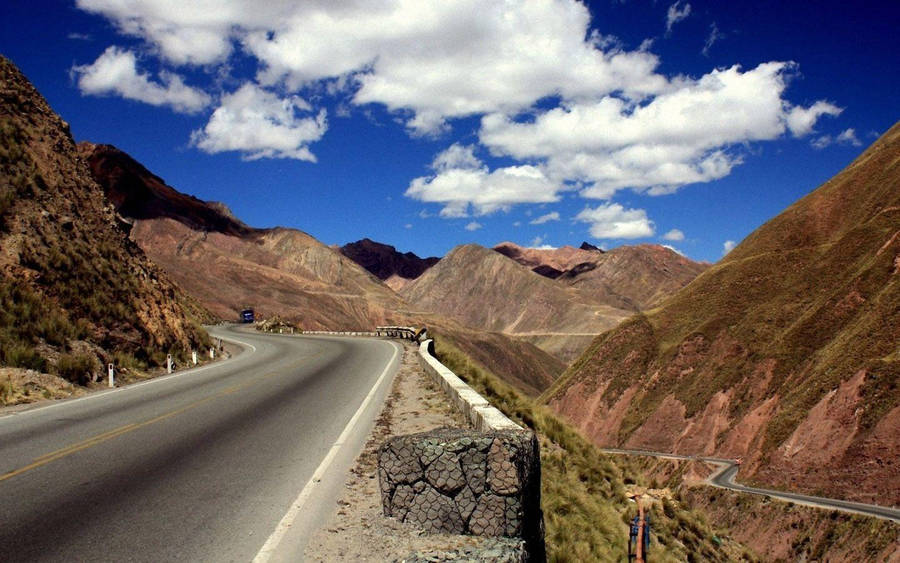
x=77 y=368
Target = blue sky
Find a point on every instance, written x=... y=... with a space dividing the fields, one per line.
x=430 y=124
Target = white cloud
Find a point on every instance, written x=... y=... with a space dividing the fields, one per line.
x=552 y=216
x=259 y=124
x=846 y=137
x=673 y=235
x=537 y=243
x=712 y=38
x=611 y=220
x=675 y=14
x=618 y=122
x=462 y=182
x=691 y=133
x=456 y=156
x=801 y=120
x=728 y=246
x=673 y=249
x=473 y=226
x=408 y=226
x=115 y=72
x=436 y=60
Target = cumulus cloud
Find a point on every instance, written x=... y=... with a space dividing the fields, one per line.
x=465 y=185
x=473 y=226
x=552 y=216
x=802 y=120
x=437 y=60
x=691 y=133
x=728 y=246
x=611 y=220
x=675 y=14
x=116 y=72
x=846 y=137
x=673 y=235
x=259 y=124
x=618 y=123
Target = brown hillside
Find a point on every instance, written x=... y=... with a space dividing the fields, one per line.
x=484 y=289
x=74 y=290
x=227 y=265
x=628 y=277
x=785 y=353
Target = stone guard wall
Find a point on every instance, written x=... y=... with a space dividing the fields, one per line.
x=484 y=482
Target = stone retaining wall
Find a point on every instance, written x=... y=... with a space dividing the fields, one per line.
x=466 y=482
x=484 y=482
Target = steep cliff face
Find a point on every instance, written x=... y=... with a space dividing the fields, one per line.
x=784 y=353
x=228 y=266
x=74 y=289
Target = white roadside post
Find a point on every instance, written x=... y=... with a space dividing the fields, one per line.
x=110 y=370
x=169 y=363
x=212 y=353
x=194 y=356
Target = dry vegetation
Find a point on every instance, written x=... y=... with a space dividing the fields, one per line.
x=75 y=293
x=584 y=492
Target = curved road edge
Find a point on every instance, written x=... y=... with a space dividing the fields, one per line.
x=724 y=477
x=245 y=347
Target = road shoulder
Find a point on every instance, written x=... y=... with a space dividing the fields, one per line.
x=358 y=529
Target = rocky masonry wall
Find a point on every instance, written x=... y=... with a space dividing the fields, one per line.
x=484 y=482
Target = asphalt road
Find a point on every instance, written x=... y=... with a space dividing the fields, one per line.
x=728 y=469
x=234 y=461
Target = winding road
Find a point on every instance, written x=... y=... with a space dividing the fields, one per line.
x=728 y=469
x=237 y=460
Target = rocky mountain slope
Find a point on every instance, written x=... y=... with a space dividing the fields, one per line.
x=559 y=299
x=634 y=277
x=785 y=353
x=227 y=265
x=484 y=289
x=74 y=290
x=383 y=261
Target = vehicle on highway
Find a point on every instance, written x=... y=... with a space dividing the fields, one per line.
x=247 y=316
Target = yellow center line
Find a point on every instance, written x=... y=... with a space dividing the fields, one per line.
x=100 y=438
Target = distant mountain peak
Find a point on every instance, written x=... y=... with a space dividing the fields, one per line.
x=384 y=261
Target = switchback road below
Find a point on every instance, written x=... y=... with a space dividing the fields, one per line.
x=728 y=469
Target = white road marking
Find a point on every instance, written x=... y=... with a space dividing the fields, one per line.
x=268 y=548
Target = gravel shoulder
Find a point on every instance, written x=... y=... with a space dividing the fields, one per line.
x=358 y=530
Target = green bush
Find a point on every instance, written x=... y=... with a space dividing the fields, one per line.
x=24 y=357
x=77 y=368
